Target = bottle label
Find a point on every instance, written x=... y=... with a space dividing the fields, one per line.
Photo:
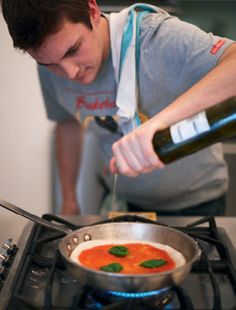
x=189 y=128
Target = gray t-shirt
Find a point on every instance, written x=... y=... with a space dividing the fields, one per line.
x=174 y=55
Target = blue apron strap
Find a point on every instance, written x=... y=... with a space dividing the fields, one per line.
x=127 y=37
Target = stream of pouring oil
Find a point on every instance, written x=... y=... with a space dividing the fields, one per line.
x=114 y=200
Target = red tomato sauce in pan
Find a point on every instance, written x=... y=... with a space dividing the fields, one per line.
x=99 y=256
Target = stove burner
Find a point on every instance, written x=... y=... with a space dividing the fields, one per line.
x=137 y=295
x=139 y=300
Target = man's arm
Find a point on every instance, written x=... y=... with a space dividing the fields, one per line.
x=134 y=153
x=69 y=140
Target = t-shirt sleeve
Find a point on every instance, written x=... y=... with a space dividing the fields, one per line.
x=183 y=53
x=54 y=110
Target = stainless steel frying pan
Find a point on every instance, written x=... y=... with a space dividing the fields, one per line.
x=149 y=232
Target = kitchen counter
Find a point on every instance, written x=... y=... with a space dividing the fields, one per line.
x=12 y=225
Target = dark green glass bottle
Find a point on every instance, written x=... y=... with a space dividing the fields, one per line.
x=195 y=133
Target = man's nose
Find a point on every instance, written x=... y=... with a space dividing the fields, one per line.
x=71 y=69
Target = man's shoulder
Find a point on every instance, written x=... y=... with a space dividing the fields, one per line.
x=156 y=19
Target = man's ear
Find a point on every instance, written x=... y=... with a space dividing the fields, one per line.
x=94 y=12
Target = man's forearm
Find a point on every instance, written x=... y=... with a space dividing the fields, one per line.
x=69 y=140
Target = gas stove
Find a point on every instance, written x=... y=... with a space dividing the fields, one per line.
x=33 y=276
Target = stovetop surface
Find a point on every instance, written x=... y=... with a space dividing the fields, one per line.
x=38 y=281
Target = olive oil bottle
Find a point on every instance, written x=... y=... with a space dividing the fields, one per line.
x=213 y=125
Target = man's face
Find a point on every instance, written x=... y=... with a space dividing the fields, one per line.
x=75 y=52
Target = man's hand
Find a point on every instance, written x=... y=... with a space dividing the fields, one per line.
x=71 y=208
x=134 y=153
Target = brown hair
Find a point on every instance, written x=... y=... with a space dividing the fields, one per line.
x=31 y=21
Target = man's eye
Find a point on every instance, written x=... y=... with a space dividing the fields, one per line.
x=74 y=50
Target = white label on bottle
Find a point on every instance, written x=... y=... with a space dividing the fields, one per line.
x=189 y=128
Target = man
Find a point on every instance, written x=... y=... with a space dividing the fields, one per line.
x=181 y=71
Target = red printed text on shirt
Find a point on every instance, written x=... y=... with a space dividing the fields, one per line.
x=81 y=102
x=217 y=46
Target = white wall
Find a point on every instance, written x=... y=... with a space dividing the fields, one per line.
x=25 y=132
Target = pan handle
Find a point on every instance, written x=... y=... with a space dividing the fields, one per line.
x=7 y=205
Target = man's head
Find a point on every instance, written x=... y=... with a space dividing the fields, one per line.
x=31 y=21
x=69 y=37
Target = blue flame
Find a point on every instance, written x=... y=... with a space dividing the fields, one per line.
x=137 y=295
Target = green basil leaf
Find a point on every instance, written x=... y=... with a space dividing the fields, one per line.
x=153 y=263
x=119 y=250
x=113 y=267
